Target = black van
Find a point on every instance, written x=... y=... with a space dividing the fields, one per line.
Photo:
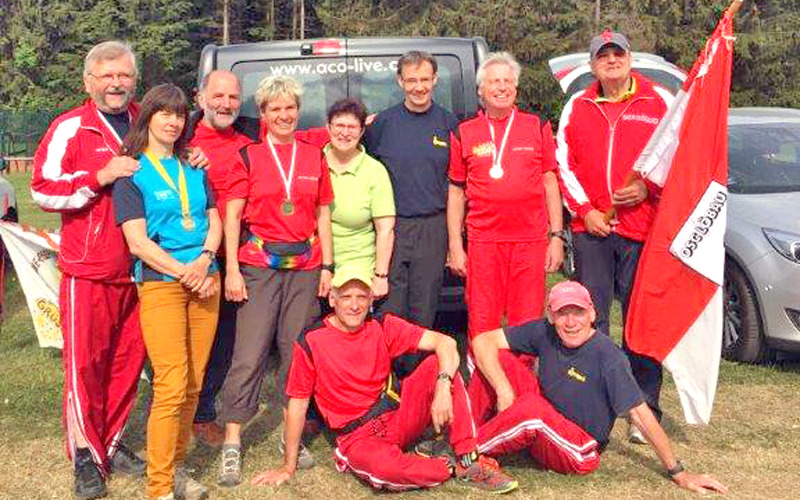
x=363 y=68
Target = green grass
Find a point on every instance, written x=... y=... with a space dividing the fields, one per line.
x=752 y=444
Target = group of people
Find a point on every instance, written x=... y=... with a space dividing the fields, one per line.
x=197 y=243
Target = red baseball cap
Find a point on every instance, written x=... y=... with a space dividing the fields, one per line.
x=569 y=293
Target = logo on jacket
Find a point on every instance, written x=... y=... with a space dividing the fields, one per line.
x=438 y=142
x=652 y=120
x=572 y=372
x=163 y=195
x=482 y=149
x=102 y=149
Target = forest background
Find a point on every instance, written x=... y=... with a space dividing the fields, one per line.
x=43 y=42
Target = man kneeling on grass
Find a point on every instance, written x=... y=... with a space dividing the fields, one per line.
x=344 y=362
x=565 y=415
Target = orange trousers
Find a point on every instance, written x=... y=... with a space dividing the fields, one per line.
x=178 y=330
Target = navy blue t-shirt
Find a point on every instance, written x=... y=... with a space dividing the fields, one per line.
x=590 y=385
x=415 y=148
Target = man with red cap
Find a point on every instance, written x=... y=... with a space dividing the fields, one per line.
x=565 y=415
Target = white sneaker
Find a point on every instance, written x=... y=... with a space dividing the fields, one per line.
x=305 y=460
x=186 y=488
x=635 y=436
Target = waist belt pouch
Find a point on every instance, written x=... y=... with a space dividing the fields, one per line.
x=287 y=248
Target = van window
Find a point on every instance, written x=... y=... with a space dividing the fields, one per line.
x=371 y=79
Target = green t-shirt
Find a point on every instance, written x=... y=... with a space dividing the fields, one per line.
x=361 y=193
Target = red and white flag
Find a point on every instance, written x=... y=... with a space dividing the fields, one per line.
x=675 y=311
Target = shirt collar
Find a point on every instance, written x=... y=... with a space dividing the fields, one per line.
x=354 y=164
x=627 y=95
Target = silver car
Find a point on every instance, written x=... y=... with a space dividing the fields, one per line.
x=762 y=240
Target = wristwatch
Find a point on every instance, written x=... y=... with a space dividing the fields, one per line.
x=671 y=473
x=444 y=376
x=381 y=275
x=328 y=267
x=558 y=234
x=209 y=253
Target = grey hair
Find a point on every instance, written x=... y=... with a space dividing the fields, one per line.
x=108 y=51
x=498 y=58
x=274 y=87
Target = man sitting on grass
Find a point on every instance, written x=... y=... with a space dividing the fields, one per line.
x=344 y=362
x=565 y=415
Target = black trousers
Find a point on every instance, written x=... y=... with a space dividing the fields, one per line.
x=218 y=363
x=607 y=267
x=417 y=268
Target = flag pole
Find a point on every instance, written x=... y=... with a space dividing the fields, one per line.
x=633 y=176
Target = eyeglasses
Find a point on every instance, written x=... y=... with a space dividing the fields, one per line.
x=108 y=78
x=414 y=81
x=342 y=127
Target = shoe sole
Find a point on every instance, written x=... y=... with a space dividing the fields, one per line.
x=511 y=486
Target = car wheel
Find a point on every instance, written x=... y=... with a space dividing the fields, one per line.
x=742 y=338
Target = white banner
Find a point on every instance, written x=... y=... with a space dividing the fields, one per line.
x=700 y=239
x=34 y=253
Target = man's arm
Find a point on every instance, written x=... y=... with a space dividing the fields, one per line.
x=486 y=347
x=293 y=430
x=552 y=197
x=643 y=418
x=456 y=256
x=447 y=353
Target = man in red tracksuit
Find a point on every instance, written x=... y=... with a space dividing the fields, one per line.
x=563 y=416
x=602 y=131
x=344 y=362
x=74 y=167
x=502 y=166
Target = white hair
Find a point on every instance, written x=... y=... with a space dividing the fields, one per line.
x=498 y=58
x=274 y=87
x=108 y=51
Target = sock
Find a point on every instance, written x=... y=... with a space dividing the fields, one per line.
x=467 y=459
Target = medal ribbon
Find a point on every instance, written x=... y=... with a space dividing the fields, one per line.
x=287 y=180
x=497 y=156
x=181 y=189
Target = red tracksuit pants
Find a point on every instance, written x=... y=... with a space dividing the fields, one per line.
x=531 y=423
x=374 y=451
x=504 y=279
x=103 y=357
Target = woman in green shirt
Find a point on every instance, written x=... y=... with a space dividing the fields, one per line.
x=363 y=211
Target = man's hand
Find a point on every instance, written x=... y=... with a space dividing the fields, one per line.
x=596 y=223
x=554 y=256
x=505 y=398
x=442 y=406
x=235 y=289
x=119 y=166
x=198 y=159
x=457 y=261
x=630 y=195
x=273 y=477
x=699 y=483
x=325 y=277
x=195 y=274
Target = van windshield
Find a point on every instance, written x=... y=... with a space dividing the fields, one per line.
x=326 y=80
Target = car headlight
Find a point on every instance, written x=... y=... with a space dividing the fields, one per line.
x=786 y=244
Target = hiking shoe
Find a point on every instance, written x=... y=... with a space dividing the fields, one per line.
x=89 y=483
x=185 y=487
x=635 y=436
x=124 y=461
x=486 y=475
x=209 y=433
x=436 y=448
x=305 y=460
x=231 y=465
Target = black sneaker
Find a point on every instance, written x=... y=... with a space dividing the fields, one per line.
x=89 y=483
x=126 y=462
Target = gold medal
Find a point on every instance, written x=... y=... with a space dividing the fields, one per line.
x=287 y=208
x=188 y=223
